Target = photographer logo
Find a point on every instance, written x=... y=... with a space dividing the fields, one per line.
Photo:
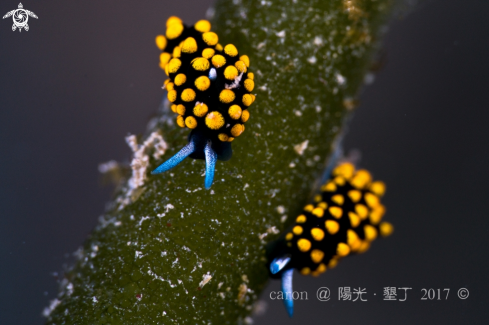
x=20 y=17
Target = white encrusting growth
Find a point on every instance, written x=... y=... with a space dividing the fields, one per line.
x=49 y=309
x=235 y=83
x=140 y=163
x=206 y=278
x=299 y=148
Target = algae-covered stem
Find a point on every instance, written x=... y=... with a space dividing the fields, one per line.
x=145 y=261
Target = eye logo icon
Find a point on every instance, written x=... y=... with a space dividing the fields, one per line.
x=20 y=17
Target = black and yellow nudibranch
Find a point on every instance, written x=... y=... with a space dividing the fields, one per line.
x=344 y=219
x=209 y=87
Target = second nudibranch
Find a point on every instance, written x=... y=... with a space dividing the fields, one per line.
x=344 y=219
x=209 y=87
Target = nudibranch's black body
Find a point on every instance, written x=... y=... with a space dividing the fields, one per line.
x=344 y=219
x=209 y=87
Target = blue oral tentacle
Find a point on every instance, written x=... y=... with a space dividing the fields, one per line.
x=278 y=264
x=176 y=159
x=287 y=291
x=210 y=164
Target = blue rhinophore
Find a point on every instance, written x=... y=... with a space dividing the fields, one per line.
x=278 y=264
x=200 y=147
x=210 y=164
x=287 y=291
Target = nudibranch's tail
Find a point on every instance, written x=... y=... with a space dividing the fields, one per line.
x=210 y=165
x=176 y=159
x=287 y=291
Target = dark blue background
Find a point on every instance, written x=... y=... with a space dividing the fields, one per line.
x=86 y=74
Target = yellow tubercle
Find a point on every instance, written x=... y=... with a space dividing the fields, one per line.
x=353 y=240
x=336 y=212
x=180 y=79
x=230 y=50
x=332 y=226
x=245 y=116
x=191 y=122
x=365 y=245
x=241 y=66
x=174 y=30
x=317 y=255
x=338 y=199
x=329 y=187
x=230 y=72
x=226 y=96
x=304 y=245
x=218 y=61
x=164 y=58
x=361 y=179
x=249 y=85
x=180 y=121
x=309 y=208
x=237 y=129
x=342 y=249
x=354 y=219
x=200 y=110
x=332 y=263
x=323 y=205
x=355 y=195
x=202 y=26
x=230 y=139
x=174 y=65
x=165 y=67
x=372 y=200
x=377 y=214
x=370 y=232
x=297 y=230
x=170 y=86
x=208 y=53
x=340 y=180
x=172 y=20
x=318 y=212
x=200 y=64
x=177 y=52
x=181 y=109
x=386 y=229
x=251 y=75
x=210 y=38
x=172 y=95
x=247 y=99
x=214 y=120
x=361 y=210
x=245 y=59
x=378 y=188
x=223 y=137
x=235 y=112
x=317 y=234
x=289 y=236
x=202 y=83
x=173 y=108
x=346 y=170
x=321 y=268
x=305 y=271
x=219 y=47
x=189 y=45
x=301 y=219
x=188 y=95
x=161 y=42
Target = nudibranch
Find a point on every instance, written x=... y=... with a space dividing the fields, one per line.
x=344 y=219
x=209 y=87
